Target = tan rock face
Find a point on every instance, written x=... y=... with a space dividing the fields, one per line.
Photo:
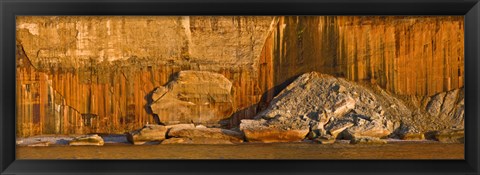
x=149 y=133
x=226 y=39
x=194 y=96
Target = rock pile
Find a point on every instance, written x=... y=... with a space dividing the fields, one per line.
x=325 y=105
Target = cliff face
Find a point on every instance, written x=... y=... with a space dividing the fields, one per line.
x=95 y=74
x=102 y=69
x=405 y=55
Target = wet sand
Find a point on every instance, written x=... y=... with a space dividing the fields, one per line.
x=340 y=150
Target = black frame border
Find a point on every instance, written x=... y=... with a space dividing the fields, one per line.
x=11 y=8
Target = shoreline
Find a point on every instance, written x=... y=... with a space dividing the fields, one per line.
x=121 y=139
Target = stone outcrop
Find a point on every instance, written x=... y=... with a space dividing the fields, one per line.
x=193 y=97
x=275 y=130
x=149 y=133
x=88 y=140
x=204 y=136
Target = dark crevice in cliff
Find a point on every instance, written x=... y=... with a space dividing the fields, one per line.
x=21 y=54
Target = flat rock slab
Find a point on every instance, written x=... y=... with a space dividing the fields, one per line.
x=93 y=140
x=39 y=144
x=367 y=140
x=277 y=131
x=206 y=133
x=451 y=136
x=149 y=133
x=212 y=141
x=369 y=129
x=339 y=126
x=413 y=136
x=270 y=135
x=191 y=125
x=325 y=140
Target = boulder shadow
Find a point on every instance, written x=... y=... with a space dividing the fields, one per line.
x=148 y=109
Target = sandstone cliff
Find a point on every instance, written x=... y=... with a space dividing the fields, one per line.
x=94 y=74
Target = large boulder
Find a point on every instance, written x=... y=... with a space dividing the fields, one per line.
x=205 y=135
x=408 y=132
x=366 y=127
x=288 y=130
x=447 y=107
x=92 y=139
x=149 y=133
x=193 y=96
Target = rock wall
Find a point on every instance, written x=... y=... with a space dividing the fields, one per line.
x=405 y=55
x=94 y=74
x=104 y=68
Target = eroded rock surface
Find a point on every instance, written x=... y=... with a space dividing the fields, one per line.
x=451 y=136
x=197 y=141
x=198 y=97
x=204 y=136
x=149 y=133
x=367 y=140
x=330 y=106
x=343 y=109
x=93 y=140
x=275 y=130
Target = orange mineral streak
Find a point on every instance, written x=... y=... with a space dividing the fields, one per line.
x=78 y=75
x=405 y=55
